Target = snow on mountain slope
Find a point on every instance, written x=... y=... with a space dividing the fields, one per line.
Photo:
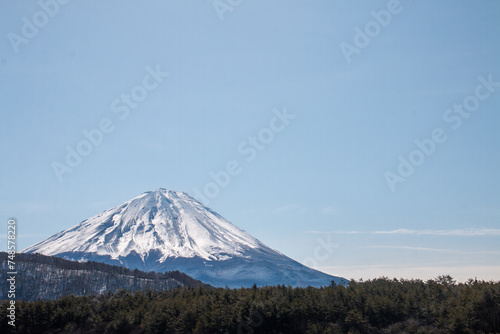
x=171 y=222
x=168 y=230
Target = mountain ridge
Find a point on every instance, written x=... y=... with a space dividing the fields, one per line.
x=48 y=277
x=166 y=230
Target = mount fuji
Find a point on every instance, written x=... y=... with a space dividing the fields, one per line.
x=166 y=230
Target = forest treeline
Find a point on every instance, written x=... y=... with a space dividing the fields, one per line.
x=377 y=306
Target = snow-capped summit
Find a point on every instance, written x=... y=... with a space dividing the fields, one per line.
x=169 y=230
x=170 y=222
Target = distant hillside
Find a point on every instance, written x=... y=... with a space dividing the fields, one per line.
x=47 y=277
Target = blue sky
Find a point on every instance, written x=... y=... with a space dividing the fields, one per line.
x=316 y=185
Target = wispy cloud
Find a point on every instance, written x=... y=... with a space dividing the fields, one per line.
x=335 y=232
x=329 y=210
x=477 y=232
x=458 y=232
x=438 y=250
